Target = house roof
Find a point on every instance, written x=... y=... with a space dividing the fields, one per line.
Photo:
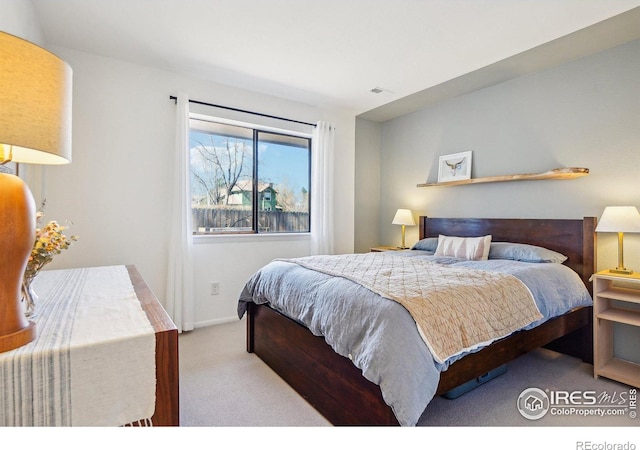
x=247 y=185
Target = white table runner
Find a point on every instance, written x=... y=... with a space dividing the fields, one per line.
x=93 y=360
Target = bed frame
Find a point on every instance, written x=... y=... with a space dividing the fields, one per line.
x=337 y=389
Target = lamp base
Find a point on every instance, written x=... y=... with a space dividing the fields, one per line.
x=622 y=271
x=19 y=338
x=17 y=226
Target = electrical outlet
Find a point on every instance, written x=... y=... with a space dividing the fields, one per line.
x=215 y=288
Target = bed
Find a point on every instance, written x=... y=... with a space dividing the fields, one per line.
x=346 y=391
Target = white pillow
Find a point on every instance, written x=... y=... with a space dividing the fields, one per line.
x=476 y=248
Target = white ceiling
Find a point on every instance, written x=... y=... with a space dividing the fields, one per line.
x=328 y=53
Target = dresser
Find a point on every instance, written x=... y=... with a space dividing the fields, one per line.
x=105 y=354
x=167 y=412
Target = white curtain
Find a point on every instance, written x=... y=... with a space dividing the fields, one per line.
x=322 y=189
x=179 y=299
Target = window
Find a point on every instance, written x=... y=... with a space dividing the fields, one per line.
x=248 y=180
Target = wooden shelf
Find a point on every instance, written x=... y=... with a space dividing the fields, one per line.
x=618 y=369
x=622 y=294
x=565 y=173
x=620 y=315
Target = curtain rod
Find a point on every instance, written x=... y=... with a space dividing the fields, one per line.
x=175 y=99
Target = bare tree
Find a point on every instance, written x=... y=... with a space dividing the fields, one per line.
x=224 y=167
x=290 y=200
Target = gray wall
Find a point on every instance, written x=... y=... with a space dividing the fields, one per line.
x=367 y=181
x=584 y=113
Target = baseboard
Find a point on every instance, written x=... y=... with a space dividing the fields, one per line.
x=208 y=323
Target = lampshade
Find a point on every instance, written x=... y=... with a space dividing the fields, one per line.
x=403 y=217
x=620 y=219
x=35 y=104
x=615 y=219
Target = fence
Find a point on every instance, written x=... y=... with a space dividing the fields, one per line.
x=216 y=220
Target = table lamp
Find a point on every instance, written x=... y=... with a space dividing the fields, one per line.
x=403 y=217
x=35 y=127
x=619 y=219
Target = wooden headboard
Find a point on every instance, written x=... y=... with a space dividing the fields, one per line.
x=574 y=238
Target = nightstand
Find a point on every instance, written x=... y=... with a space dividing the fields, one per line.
x=611 y=303
x=383 y=248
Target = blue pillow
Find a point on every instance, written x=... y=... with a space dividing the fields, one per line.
x=525 y=253
x=426 y=244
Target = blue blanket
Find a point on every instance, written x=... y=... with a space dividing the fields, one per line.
x=378 y=334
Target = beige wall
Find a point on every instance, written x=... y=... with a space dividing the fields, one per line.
x=117 y=189
x=17 y=17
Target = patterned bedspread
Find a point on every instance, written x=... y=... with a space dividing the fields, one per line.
x=455 y=309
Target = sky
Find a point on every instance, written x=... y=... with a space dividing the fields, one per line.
x=276 y=163
x=284 y=163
